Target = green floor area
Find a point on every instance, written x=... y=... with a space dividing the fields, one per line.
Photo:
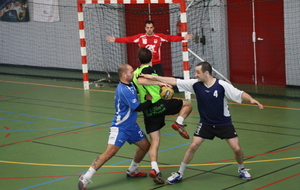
x=290 y=92
x=52 y=130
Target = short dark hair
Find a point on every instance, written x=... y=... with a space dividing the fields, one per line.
x=205 y=67
x=149 y=22
x=122 y=69
x=144 y=55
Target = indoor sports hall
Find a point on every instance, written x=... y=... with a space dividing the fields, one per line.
x=58 y=77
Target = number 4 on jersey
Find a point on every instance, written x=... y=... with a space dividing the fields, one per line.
x=215 y=93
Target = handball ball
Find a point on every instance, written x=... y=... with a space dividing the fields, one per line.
x=166 y=93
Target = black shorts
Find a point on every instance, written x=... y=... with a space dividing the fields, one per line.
x=155 y=115
x=211 y=131
x=158 y=69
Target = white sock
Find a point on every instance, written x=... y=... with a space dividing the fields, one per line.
x=133 y=166
x=240 y=166
x=182 y=168
x=180 y=120
x=155 y=166
x=89 y=174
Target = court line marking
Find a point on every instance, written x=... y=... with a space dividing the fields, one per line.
x=44 y=183
x=53 y=85
x=67 y=177
x=146 y=166
x=75 y=175
x=8 y=134
x=17 y=121
x=22 y=91
x=112 y=91
x=168 y=166
x=273 y=152
x=53 y=136
x=10 y=130
x=165 y=166
x=46 y=117
x=48 y=129
x=278 y=181
x=86 y=124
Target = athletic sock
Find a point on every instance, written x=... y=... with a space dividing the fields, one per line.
x=155 y=166
x=89 y=174
x=133 y=166
x=240 y=166
x=180 y=120
x=182 y=168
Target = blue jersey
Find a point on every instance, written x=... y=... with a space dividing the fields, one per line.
x=126 y=101
x=212 y=101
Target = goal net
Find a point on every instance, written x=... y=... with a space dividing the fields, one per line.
x=120 y=20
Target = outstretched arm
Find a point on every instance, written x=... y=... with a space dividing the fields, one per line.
x=188 y=36
x=247 y=97
x=110 y=38
x=145 y=81
x=167 y=80
x=143 y=106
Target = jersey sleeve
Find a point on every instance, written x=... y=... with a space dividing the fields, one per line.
x=129 y=39
x=231 y=92
x=171 y=38
x=186 y=85
x=148 y=70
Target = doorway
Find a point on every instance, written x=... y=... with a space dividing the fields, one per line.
x=256 y=42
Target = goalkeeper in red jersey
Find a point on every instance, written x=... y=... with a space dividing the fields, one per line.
x=151 y=41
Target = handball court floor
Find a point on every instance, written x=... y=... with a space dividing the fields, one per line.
x=52 y=130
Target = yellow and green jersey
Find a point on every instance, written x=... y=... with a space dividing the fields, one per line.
x=153 y=90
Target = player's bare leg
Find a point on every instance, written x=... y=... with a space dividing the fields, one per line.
x=153 y=151
x=85 y=179
x=188 y=156
x=143 y=148
x=238 y=152
x=140 y=153
x=185 y=111
x=239 y=156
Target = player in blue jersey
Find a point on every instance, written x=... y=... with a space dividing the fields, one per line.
x=123 y=128
x=215 y=120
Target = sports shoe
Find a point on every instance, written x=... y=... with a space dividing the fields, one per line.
x=244 y=174
x=135 y=173
x=181 y=130
x=175 y=177
x=156 y=177
x=83 y=183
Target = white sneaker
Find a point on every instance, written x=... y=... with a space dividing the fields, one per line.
x=83 y=182
x=244 y=174
x=175 y=177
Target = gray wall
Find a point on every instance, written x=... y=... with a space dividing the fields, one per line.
x=43 y=44
x=292 y=41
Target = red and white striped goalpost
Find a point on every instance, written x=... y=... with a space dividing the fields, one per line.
x=183 y=20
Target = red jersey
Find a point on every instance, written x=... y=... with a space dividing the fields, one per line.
x=152 y=43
